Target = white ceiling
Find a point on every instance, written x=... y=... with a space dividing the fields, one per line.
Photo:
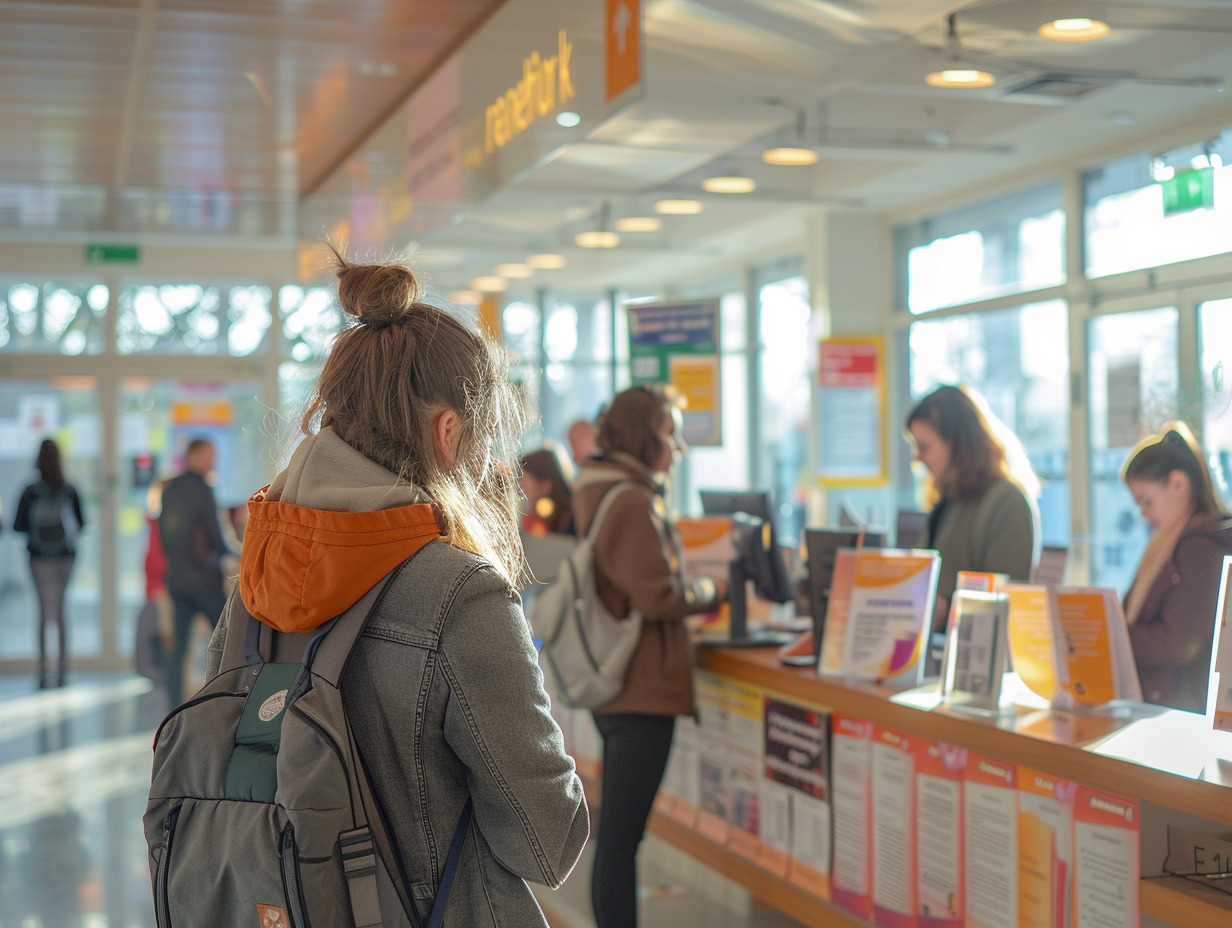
x=154 y=119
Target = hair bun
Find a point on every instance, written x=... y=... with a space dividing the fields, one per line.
x=376 y=294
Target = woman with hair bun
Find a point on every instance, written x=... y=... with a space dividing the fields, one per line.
x=979 y=491
x=638 y=567
x=1170 y=606
x=405 y=469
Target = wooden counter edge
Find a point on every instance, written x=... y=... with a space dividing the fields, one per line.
x=760 y=667
x=1178 y=901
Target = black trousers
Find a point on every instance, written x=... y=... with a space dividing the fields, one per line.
x=187 y=605
x=635 y=749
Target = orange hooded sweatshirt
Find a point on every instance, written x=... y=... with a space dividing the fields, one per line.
x=325 y=532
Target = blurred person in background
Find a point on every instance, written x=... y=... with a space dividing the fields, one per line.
x=979 y=491
x=49 y=514
x=544 y=481
x=638 y=561
x=1171 y=604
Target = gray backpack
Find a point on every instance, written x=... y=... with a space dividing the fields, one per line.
x=260 y=810
x=585 y=648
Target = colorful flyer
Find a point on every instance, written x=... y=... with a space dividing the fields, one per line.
x=714 y=802
x=1032 y=654
x=679 y=796
x=835 y=634
x=939 y=772
x=891 y=608
x=1045 y=849
x=706 y=544
x=1094 y=659
x=990 y=840
x=797 y=770
x=894 y=818
x=1106 y=862
x=851 y=879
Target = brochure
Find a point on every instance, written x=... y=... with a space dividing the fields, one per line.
x=887 y=614
x=1045 y=849
x=990 y=839
x=975 y=651
x=1032 y=654
x=1094 y=660
x=1106 y=862
x=940 y=768
x=797 y=772
x=851 y=879
x=894 y=848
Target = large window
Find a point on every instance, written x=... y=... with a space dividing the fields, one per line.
x=52 y=318
x=1134 y=385
x=1215 y=331
x=1018 y=359
x=1011 y=245
x=192 y=319
x=1145 y=211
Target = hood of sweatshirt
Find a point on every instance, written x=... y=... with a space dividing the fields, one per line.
x=325 y=532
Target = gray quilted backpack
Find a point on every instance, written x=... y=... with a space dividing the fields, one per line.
x=260 y=811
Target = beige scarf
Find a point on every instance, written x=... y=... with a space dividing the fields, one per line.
x=1157 y=554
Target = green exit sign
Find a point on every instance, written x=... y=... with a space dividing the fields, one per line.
x=112 y=254
x=1189 y=191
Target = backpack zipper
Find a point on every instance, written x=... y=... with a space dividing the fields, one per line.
x=196 y=700
x=163 y=913
x=291 y=886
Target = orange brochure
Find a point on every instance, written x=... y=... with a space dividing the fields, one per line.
x=894 y=818
x=990 y=842
x=707 y=548
x=836 y=613
x=850 y=780
x=795 y=818
x=1032 y=654
x=1045 y=849
x=1106 y=862
x=1094 y=659
x=939 y=771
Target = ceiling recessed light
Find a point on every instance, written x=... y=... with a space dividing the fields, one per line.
x=568 y=119
x=960 y=77
x=465 y=297
x=679 y=207
x=594 y=239
x=547 y=262
x=639 y=224
x=489 y=284
x=789 y=156
x=729 y=184
x=514 y=270
x=1074 y=30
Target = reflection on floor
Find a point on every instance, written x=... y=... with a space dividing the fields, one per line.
x=74 y=774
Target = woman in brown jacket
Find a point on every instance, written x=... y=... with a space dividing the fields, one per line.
x=637 y=558
x=1171 y=604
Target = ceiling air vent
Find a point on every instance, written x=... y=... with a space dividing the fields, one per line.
x=1056 y=86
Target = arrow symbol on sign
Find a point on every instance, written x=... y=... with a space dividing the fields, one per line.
x=620 y=26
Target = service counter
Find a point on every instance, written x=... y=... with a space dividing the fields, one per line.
x=1171 y=762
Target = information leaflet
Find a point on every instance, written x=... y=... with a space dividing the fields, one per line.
x=990 y=837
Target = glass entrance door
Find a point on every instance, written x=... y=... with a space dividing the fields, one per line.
x=64 y=409
x=1133 y=379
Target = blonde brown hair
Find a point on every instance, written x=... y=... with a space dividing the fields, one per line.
x=982 y=448
x=387 y=378
x=1174 y=447
x=630 y=423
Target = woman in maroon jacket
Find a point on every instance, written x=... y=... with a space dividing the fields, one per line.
x=1171 y=604
x=637 y=557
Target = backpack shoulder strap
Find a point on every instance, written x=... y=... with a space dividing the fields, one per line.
x=605 y=503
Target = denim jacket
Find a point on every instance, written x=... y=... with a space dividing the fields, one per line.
x=444 y=694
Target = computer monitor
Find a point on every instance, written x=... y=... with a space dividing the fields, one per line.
x=759 y=558
x=822 y=547
x=767 y=568
x=910 y=529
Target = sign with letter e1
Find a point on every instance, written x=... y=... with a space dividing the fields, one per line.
x=678 y=344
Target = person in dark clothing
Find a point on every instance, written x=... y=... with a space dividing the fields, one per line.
x=50 y=516
x=192 y=541
x=1171 y=605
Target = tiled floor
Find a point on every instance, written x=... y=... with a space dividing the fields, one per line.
x=74 y=774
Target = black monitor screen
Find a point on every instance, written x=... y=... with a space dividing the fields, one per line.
x=760 y=551
x=822 y=547
x=911 y=529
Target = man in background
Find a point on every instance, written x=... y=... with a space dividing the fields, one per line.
x=193 y=543
x=581 y=436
